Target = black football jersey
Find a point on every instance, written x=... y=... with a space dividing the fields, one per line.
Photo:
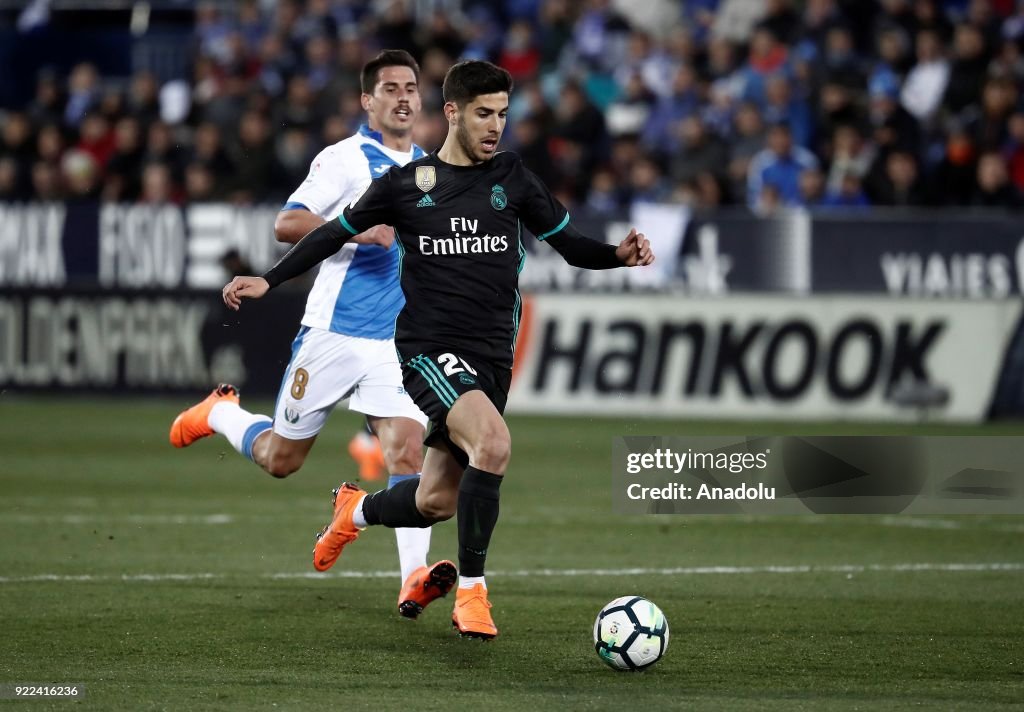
x=459 y=232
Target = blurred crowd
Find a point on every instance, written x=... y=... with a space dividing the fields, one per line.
x=764 y=103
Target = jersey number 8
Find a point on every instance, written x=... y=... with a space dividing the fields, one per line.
x=299 y=383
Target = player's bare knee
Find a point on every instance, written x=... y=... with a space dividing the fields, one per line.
x=493 y=451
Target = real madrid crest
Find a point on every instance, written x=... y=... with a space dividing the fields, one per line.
x=498 y=198
x=426 y=178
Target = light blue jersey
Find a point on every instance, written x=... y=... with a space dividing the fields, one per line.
x=356 y=292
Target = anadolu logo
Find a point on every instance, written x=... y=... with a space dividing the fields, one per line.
x=498 y=198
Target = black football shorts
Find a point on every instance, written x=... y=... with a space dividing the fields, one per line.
x=435 y=379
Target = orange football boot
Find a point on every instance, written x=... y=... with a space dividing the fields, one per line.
x=424 y=585
x=341 y=531
x=365 y=449
x=193 y=424
x=472 y=614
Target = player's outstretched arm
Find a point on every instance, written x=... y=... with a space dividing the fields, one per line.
x=581 y=251
x=314 y=248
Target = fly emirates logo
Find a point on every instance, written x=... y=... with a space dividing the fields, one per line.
x=462 y=244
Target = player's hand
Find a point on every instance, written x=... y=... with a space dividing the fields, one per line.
x=243 y=288
x=382 y=235
x=635 y=250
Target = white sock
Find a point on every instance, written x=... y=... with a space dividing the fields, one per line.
x=471 y=581
x=413 y=545
x=239 y=426
x=357 y=515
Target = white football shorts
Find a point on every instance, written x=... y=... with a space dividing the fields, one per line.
x=326 y=368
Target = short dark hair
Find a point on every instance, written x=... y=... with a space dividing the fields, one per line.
x=387 y=58
x=467 y=80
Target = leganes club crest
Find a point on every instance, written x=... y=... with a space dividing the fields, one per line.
x=426 y=178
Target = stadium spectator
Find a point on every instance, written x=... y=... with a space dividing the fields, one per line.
x=899 y=182
x=46 y=182
x=780 y=106
x=300 y=108
x=926 y=81
x=682 y=101
x=555 y=32
x=200 y=183
x=531 y=145
x=699 y=152
x=952 y=179
x=17 y=151
x=850 y=155
x=629 y=113
x=123 y=167
x=47 y=107
x=778 y=166
x=144 y=98
x=812 y=187
x=208 y=149
x=256 y=169
x=968 y=69
x=994 y=189
x=162 y=147
x=840 y=62
x=293 y=151
x=988 y=123
x=578 y=121
x=158 y=185
x=705 y=192
x=83 y=93
x=50 y=144
x=604 y=196
x=1008 y=62
x=520 y=55
x=96 y=137
x=893 y=127
x=767 y=57
x=747 y=138
x=10 y=180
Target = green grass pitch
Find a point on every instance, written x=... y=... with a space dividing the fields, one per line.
x=166 y=579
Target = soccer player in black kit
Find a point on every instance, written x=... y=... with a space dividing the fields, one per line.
x=458 y=216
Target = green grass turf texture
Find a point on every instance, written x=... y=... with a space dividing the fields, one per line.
x=91 y=488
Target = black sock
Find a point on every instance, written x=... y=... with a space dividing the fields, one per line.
x=395 y=507
x=478 y=513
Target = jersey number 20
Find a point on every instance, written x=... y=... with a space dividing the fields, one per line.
x=451 y=364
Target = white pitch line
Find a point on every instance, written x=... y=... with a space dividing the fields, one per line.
x=550 y=573
x=126 y=519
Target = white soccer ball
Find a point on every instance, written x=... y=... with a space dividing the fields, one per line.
x=630 y=633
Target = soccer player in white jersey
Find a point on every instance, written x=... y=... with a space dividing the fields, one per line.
x=345 y=346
